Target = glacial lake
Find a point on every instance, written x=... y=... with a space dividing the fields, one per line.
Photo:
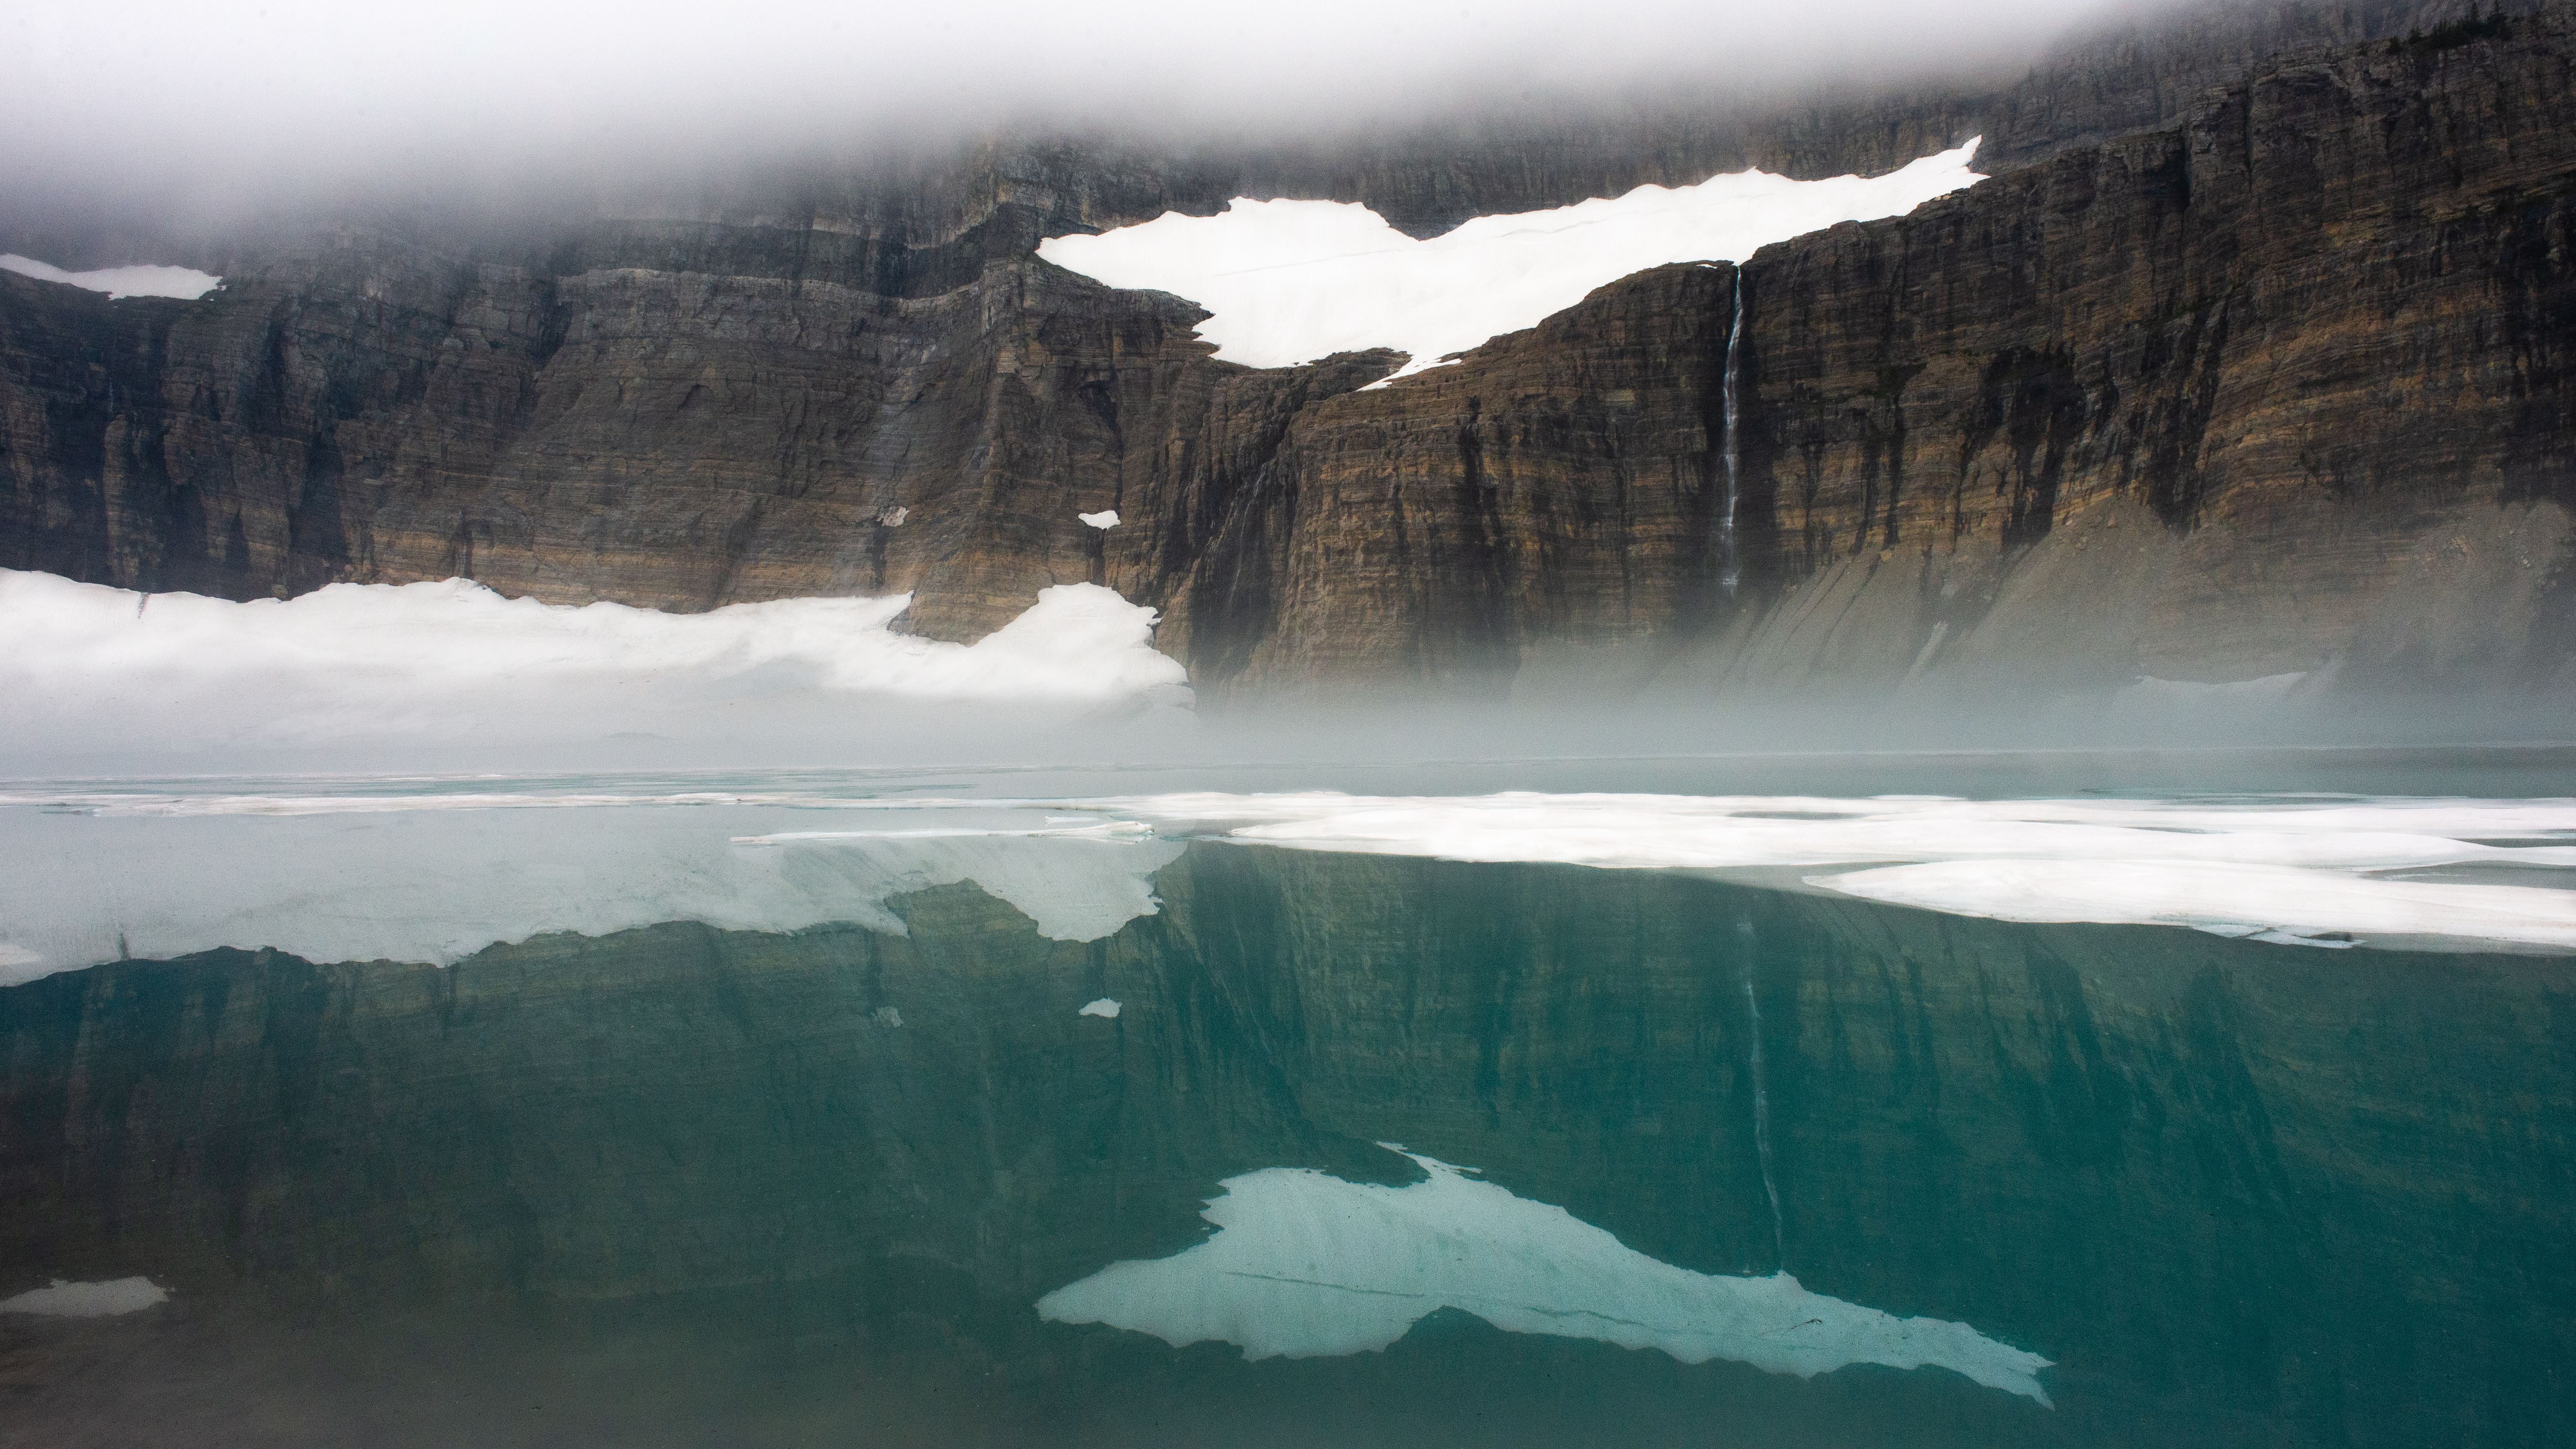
x=2075 y=1099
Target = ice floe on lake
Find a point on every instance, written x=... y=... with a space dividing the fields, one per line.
x=184 y=283
x=1104 y=1007
x=87 y=1300
x=88 y=668
x=1304 y=1265
x=1292 y=281
x=2280 y=868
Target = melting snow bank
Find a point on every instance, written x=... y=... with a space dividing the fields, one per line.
x=85 y=669
x=1306 y=1265
x=87 y=1300
x=183 y=283
x=1292 y=281
x=2279 y=867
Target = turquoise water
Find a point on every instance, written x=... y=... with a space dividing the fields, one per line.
x=689 y=1182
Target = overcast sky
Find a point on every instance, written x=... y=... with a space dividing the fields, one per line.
x=298 y=89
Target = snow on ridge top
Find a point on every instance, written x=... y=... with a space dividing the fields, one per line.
x=1292 y=281
x=185 y=283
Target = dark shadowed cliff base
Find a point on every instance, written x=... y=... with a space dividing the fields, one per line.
x=2263 y=385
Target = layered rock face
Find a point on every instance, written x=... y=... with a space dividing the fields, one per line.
x=2281 y=388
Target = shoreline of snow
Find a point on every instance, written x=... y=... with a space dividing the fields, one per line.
x=454 y=665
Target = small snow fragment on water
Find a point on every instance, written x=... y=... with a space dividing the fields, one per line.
x=1103 y=1007
x=87 y=1300
x=184 y=283
x=1105 y=519
x=888 y=1016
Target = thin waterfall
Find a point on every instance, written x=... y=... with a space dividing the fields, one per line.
x=1761 y=1097
x=1729 y=570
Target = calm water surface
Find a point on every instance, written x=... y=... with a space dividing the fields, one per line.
x=941 y=1140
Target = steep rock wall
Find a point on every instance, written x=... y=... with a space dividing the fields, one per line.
x=2285 y=389
x=2279 y=389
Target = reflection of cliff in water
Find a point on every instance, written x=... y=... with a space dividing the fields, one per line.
x=2236 y=1191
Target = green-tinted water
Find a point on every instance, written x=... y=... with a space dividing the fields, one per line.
x=686 y=1185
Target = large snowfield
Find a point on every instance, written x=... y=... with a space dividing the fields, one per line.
x=1292 y=281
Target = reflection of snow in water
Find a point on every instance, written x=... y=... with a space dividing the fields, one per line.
x=1306 y=1265
x=439 y=884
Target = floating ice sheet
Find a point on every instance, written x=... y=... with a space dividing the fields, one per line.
x=455 y=665
x=147 y=281
x=1104 y=1007
x=87 y=1300
x=1292 y=281
x=2275 y=867
x=1305 y=1265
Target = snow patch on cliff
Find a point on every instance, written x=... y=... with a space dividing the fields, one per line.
x=1292 y=281
x=183 y=283
x=1305 y=1265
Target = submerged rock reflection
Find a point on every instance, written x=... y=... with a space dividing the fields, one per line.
x=2240 y=1192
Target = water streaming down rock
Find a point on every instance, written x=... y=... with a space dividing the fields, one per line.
x=1761 y=1094
x=1729 y=570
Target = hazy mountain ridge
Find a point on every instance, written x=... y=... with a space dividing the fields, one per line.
x=883 y=391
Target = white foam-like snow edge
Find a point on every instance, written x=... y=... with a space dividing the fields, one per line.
x=1291 y=281
x=2277 y=868
x=87 y=1300
x=85 y=667
x=1305 y=1265
x=184 y=283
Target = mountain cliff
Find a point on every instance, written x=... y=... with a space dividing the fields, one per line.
x=2275 y=385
